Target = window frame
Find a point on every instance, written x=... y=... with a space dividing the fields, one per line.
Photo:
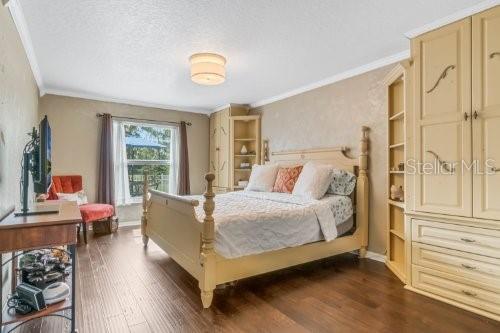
x=141 y=162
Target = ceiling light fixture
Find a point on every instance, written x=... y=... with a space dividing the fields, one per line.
x=208 y=68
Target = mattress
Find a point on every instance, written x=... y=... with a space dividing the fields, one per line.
x=255 y=222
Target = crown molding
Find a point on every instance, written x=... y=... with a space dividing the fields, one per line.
x=457 y=16
x=95 y=97
x=17 y=14
x=338 y=77
x=222 y=107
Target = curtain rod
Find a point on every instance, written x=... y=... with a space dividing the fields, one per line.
x=100 y=115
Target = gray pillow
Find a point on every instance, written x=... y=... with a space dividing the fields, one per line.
x=343 y=182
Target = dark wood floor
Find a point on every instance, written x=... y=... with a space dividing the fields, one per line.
x=124 y=288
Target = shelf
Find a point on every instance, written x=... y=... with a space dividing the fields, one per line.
x=245 y=155
x=397 y=234
x=396 y=203
x=396 y=172
x=397 y=145
x=10 y=317
x=397 y=115
x=240 y=169
x=246 y=139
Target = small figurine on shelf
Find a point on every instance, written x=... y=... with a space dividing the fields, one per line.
x=244 y=150
x=397 y=193
x=401 y=166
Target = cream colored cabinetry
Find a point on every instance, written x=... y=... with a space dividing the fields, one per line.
x=442 y=121
x=454 y=214
x=223 y=133
x=397 y=85
x=245 y=132
x=486 y=112
x=456 y=261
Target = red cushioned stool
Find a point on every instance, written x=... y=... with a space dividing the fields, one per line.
x=92 y=212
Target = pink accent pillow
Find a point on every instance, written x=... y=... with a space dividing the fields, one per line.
x=286 y=179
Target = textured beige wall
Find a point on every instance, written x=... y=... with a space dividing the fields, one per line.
x=75 y=139
x=18 y=111
x=332 y=116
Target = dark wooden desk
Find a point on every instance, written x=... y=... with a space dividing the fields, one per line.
x=35 y=232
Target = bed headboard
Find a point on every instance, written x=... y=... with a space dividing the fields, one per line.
x=334 y=156
x=338 y=158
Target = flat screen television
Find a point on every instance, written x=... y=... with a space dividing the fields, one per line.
x=42 y=166
x=37 y=161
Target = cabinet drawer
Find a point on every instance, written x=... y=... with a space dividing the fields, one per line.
x=457 y=237
x=481 y=296
x=472 y=266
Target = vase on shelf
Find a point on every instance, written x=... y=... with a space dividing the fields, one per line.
x=397 y=193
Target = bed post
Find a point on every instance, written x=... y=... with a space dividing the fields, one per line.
x=144 y=218
x=207 y=256
x=362 y=200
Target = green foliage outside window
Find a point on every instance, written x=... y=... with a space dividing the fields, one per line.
x=153 y=156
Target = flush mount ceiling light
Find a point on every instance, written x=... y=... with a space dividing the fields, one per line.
x=208 y=68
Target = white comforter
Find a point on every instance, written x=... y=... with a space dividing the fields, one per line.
x=255 y=222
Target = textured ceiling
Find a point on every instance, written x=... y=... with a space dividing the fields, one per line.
x=138 y=50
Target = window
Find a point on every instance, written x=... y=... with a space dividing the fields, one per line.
x=140 y=148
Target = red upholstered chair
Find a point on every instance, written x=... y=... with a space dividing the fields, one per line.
x=91 y=212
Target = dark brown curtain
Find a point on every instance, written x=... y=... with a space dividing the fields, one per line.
x=183 y=161
x=106 y=185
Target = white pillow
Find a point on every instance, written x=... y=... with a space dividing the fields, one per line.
x=262 y=178
x=80 y=197
x=313 y=181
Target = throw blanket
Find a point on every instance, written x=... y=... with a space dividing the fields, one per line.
x=254 y=222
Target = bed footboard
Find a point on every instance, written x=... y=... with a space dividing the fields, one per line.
x=170 y=221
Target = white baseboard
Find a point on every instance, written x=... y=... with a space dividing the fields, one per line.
x=129 y=224
x=375 y=256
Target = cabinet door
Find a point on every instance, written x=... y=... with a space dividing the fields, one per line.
x=214 y=160
x=486 y=102
x=442 y=132
x=224 y=161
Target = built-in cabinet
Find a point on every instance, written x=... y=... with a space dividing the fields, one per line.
x=230 y=129
x=457 y=118
x=453 y=214
x=442 y=119
x=397 y=99
x=245 y=148
x=486 y=112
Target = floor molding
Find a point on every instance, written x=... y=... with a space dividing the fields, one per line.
x=457 y=16
x=129 y=224
x=337 y=77
x=375 y=256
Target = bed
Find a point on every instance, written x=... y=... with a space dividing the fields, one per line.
x=217 y=248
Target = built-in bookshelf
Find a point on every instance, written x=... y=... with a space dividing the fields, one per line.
x=396 y=118
x=245 y=132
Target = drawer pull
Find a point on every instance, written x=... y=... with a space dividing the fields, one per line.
x=467 y=240
x=468 y=293
x=468 y=267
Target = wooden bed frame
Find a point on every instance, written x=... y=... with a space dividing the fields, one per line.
x=170 y=221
